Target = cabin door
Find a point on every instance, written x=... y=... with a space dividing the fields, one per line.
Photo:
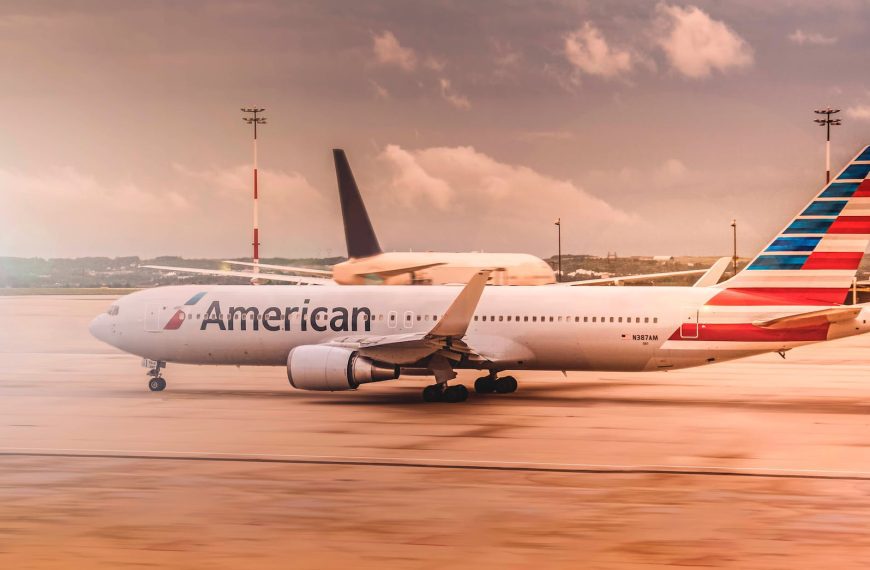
x=689 y=326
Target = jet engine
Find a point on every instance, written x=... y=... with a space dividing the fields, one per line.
x=332 y=368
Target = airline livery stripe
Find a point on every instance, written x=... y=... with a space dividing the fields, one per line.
x=747 y=332
x=808 y=227
x=841 y=243
x=778 y=262
x=794 y=244
x=855 y=172
x=841 y=190
x=833 y=260
x=779 y=296
x=851 y=225
x=826 y=208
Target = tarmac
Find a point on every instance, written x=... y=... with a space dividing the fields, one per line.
x=759 y=463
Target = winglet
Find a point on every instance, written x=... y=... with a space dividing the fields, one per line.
x=358 y=231
x=457 y=318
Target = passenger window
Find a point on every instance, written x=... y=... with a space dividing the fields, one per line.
x=551 y=319
x=620 y=319
x=560 y=319
x=594 y=319
x=525 y=319
x=500 y=318
x=534 y=319
x=655 y=319
x=475 y=317
x=509 y=317
x=585 y=319
x=611 y=319
x=646 y=319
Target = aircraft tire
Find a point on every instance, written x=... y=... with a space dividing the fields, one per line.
x=433 y=393
x=484 y=385
x=157 y=384
x=457 y=393
x=506 y=385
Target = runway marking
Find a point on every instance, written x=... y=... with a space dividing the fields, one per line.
x=480 y=465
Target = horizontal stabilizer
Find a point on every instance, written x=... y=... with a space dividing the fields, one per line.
x=812 y=318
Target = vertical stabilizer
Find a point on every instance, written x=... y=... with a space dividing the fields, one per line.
x=814 y=259
x=358 y=232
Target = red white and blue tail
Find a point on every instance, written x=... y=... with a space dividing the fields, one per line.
x=814 y=259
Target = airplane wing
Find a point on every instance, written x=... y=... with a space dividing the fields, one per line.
x=286 y=268
x=645 y=277
x=832 y=315
x=444 y=339
x=714 y=274
x=393 y=271
x=247 y=274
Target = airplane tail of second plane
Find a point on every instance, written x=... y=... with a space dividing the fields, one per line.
x=815 y=258
x=358 y=231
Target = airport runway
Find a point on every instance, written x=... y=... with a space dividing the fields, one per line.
x=761 y=463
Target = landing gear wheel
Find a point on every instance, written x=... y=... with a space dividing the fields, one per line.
x=506 y=385
x=484 y=385
x=433 y=393
x=457 y=393
x=157 y=384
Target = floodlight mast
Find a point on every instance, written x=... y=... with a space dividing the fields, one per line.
x=827 y=122
x=255 y=120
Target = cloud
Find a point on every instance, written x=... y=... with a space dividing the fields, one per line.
x=202 y=212
x=696 y=45
x=489 y=203
x=388 y=51
x=589 y=52
x=860 y=112
x=379 y=89
x=811 y=38
x=459 y=101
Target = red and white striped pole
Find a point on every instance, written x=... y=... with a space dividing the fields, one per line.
x=255 y=120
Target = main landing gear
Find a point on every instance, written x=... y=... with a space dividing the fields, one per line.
x=157 y=383
x=441 y=392
x=445 y=393
x=491 y=383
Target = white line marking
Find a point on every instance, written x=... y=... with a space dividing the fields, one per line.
x=444 y=461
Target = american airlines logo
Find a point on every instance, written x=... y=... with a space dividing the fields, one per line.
x=306 y=317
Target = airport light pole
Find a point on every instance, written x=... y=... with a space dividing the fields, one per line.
x=253 y=119
x=559 y=239
x=827 y=122
x=734 y=256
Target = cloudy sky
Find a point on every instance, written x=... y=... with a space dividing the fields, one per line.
x=645 y=126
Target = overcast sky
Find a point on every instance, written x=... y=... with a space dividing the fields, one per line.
x=645 y=126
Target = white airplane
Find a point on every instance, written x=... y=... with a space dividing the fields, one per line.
x=338 y=338
x=368 y=264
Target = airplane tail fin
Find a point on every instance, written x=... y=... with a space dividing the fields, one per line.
x=815 y=258
x=358 y=232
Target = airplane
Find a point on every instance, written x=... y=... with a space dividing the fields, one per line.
x=339 y=338
x=368 y=264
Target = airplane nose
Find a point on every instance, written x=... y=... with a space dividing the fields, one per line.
x=99 y=328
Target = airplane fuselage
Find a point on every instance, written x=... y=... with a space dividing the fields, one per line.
x=513 y=328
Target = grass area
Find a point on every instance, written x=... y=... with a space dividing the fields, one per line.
x=13 y=291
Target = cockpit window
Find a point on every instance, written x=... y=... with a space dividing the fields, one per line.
x=113 y=310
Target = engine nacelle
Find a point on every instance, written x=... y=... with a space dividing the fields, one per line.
x=332 y=368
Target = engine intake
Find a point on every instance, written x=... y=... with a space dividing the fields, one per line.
x=332 y=368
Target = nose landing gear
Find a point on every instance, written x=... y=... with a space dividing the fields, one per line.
x=157 y=383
